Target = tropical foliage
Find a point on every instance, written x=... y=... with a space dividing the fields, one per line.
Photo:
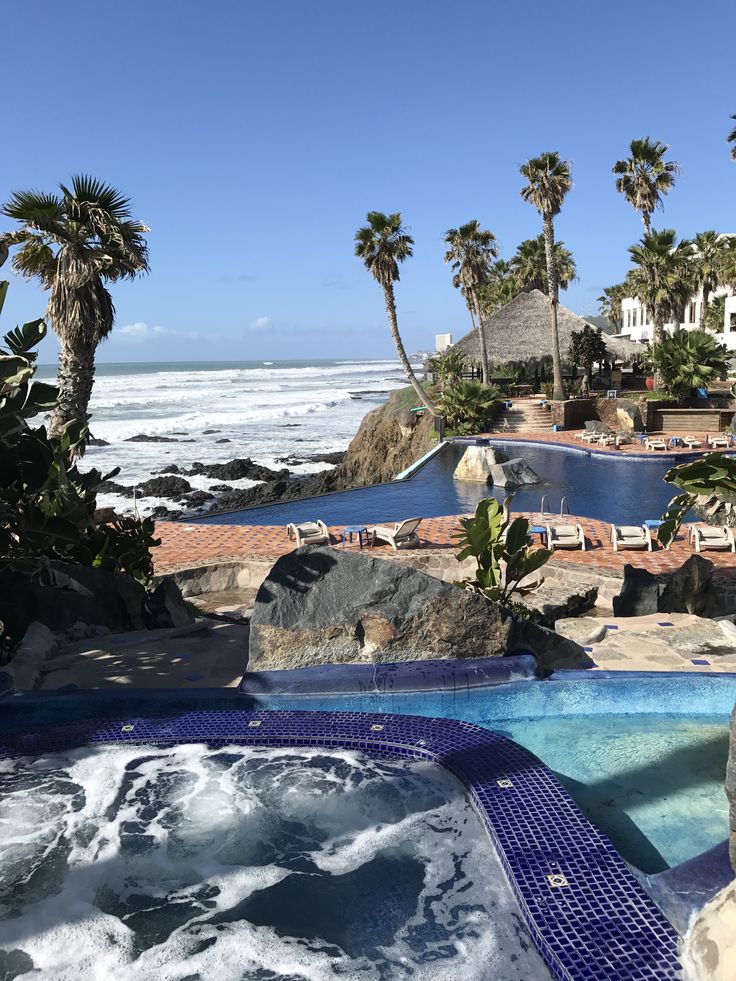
x=645 y=176
x=470 y=251
x=548 y=181
x=609 y=303
x=709 y=481
x=46 y=505
x=587 y=347
x=74 y=243
x=466 y=406
x=382 y=244
x=715 y=314
x=731 y=138
x=529 y=265
x=711 y=263
x=448 y=367
x=687 y=360
x=660 y=280
x=501 y=550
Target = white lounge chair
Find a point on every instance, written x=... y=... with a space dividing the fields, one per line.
x=631 y=536
x=606 y=440
x=655 y=444
x=622 y=438
x=691 y=442
x=309 y=533
x=402 y=533
x=715 y=441
x=565 y=536
x=706 y=536
x=591 y=437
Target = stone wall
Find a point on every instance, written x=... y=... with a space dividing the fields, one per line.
x=573 y=413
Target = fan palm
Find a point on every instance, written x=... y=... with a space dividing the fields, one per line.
x=382 y=244
x=529 y=264
x=711 y=259
x=731 y=138
x=645 y=176
x=466 y=406
x=548 y=181
x=660 y=280
x=74 y=243
x=688 y=360
x=609 y=303
x=470 y=252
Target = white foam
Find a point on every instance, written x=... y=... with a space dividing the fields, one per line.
x=101 y=843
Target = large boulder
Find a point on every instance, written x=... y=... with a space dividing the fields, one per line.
x=559 y=598
x=68 y=593
x=477 y=462
x=710 y=946
x=690 y=589
x=322 y=606
x=514 y=473
x=639 y=594
x=165 y=606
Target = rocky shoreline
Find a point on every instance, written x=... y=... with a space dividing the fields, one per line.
x=388 y=440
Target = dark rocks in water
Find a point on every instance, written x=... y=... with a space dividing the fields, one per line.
x=171 y=486
x=209 y=432
x=319 y=605
x=295 y=461
x=144 y=438
x=172 y=468
x=165 y=606
x=639 y=594
x=690 y=589
x=197 y=498
x=223 y=440
x=161 y=511
x=112 y=487
x=94 y=441
x=220 y=488
x=235 y=470
x=70 y=593
x=266 y=493
x=513 y=473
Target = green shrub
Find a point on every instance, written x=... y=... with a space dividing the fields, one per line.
x=467 y=406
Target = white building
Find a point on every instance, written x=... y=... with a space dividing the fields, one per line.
x=442 y=342
x=636 y=324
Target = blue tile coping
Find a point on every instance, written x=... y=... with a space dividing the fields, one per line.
x=587 y=913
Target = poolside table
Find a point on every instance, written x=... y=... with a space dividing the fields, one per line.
x=538 y=530
x=359 y=530
x=675 y=441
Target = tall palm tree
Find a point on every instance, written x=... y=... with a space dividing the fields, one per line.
x=529 y=264
x=712 y=254
x=609 y=303
x=471 y=251
x=74 y=243
x=731 y=138
x=548 y=181
x=645 y=176
x=382 y=244
x=661 y=280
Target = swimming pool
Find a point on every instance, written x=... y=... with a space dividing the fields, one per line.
x=625 y=489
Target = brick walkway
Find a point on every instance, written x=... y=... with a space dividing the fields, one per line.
x=184 y=545
x=567 y=438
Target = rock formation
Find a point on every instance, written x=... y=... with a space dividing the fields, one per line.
x=319 y=605
x=477 y=462
x=513 y=473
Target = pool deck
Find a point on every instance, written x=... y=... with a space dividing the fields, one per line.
x=635 y=448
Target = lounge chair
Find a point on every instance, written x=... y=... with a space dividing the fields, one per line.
x=691 y=442
x=565 y=536
x=580 y=435
x=622 y=438
x=655 y=444
x=402 y=533
x=630 y=536
x=606 y=440
x=706 y=536
x=715 y=441
x=592 y=437
x=309 y=533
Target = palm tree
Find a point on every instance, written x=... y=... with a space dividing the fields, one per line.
x=74 y=243
x=711 y=256
x=471 y=251
x=688 y=360
x=548 y=181
x=660 y=280
x=382 y=244
x=645 y=176
x=529 y=264
x=609 y=303
x=731 y=138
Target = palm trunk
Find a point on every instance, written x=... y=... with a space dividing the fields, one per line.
x=393 y=324
x=647 y=222
x=657 y=334
x=482 y=339
x=558 y=391
x=703 y=305
x=75 y=378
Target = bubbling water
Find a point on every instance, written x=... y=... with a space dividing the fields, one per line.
x=190 y=862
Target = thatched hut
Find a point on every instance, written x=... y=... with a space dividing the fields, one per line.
x=519 y=333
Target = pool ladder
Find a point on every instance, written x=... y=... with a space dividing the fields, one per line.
x=564 y=508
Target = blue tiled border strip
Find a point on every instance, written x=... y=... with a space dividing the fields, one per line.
x=588 y=915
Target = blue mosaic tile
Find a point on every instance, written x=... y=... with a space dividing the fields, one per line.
x=699 y=660
x=587 y=913
x=665 y=623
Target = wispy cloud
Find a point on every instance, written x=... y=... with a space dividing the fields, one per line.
x=236 y=278
x=261 y=323
x=140 y=331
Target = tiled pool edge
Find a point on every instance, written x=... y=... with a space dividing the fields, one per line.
x=588 y=915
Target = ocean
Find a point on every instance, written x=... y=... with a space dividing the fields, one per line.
x=266 y=410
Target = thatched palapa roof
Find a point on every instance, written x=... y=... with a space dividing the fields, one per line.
x=520 y=331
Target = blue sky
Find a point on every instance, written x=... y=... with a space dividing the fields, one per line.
x=253 y=137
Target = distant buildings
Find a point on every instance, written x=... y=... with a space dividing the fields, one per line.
x=636 y=325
